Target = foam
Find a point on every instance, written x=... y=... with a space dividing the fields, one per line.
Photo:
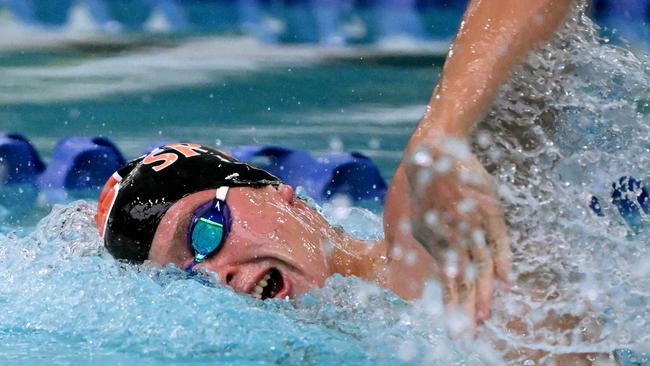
x=65 y=299
x=567 y=124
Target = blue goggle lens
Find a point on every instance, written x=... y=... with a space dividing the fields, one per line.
x=207 y=236
x=208 y=229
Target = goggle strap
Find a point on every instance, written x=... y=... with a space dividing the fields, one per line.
x=190 y=267
x=221 y=193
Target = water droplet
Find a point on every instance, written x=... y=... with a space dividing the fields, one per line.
x=422 y=157
x=431 y=219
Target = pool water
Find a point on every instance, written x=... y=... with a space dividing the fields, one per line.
x=568 y=123
x=143 y=96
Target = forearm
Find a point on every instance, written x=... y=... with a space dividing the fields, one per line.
x=494 y=37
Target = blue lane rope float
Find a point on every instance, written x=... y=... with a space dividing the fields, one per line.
x=80 y=166
x=350 y=174
x=20 y=165
x=21 y=162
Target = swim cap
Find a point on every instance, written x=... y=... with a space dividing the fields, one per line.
x=138 y=195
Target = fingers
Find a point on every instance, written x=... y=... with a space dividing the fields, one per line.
x=450 y=291
x=467 y=292
x=472 y=292
x=497 y=234
x=470 y=286
x=459 y=296
x=455 y=210
x=482 y=257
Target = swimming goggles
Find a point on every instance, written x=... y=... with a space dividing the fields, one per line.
x=209 y=228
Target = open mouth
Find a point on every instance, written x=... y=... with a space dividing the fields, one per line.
x=269 y=286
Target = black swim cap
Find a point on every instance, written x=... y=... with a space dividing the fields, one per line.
x=138 y=195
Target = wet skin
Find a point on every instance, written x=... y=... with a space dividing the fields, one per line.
x=272 y=229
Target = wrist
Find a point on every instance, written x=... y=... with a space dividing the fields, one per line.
x=446 y=119
x=433 y=133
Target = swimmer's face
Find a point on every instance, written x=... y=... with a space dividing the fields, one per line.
x=274 y=236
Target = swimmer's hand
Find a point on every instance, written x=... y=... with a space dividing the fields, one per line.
x=458 y=217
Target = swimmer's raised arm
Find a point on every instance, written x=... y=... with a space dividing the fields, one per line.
x=494 y=36
x=444 y=190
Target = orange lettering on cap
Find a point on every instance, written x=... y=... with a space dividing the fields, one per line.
x=186 y=149
x=167 y=159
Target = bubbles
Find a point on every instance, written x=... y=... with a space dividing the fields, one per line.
x=411 y=258
x=442 y=165
x=358 y=222
x=413 y=334
x=466 y=206
x=422 y=157
x=458 y=324
x=432 y=219
x=328 y=247
x=478 y=237
x=483 y=140
x=405 y=226
x=424 y=177
x=397 y=252
x=456 y=148
x=452 y=264
x=341 y=207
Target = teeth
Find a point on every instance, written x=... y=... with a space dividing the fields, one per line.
x=259 y=288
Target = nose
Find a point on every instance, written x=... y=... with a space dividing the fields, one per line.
x=286 y=192
x=227 y=274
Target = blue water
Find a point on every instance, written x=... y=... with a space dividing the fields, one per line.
x=567 y=124
x=371 y=109
x=66 y=301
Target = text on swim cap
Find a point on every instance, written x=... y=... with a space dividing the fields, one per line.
x=168 y=158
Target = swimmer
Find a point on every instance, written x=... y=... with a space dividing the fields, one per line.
x=200 y=209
